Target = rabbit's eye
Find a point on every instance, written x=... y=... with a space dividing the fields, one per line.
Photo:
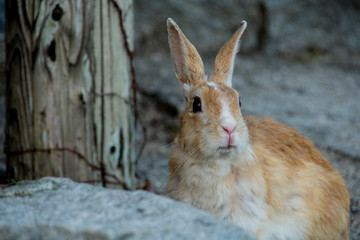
x=196 y=105
x=239 y=102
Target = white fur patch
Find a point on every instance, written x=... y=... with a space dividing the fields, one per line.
x=284 y=227
x=213 y=84
x=226 y=118
x=186 y=87
x=253 y=208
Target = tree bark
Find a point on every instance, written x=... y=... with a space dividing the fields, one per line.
x=70 y=100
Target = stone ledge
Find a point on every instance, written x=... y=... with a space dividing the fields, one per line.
x=57 y=208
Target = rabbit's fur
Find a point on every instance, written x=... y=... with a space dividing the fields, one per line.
x=255 y=172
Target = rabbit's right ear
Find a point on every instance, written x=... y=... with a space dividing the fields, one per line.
x=224 y=61
x=189 y=68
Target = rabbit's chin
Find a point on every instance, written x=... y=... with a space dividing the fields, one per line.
x=228 y=152
x=217 y=151
x=221 y=149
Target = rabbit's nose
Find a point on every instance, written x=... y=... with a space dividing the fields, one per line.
x=229 y=130
x=230 y=138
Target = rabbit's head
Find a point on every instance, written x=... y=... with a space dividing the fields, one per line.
x=211 y=124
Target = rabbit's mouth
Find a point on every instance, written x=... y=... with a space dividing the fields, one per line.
x=227 y=148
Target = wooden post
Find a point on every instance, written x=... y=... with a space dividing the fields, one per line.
x=70 y=90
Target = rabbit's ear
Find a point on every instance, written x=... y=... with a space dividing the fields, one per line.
x=189 y=68
x=224 y=62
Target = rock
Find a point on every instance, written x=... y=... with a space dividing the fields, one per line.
x=55 y=208
x=155 y=171
x=207 y=23
x=314 y=28
x=285 y=27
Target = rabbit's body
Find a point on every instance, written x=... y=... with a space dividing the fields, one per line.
x=257 y=173
x=266 y=190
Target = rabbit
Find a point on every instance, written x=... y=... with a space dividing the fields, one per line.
x=254 y=172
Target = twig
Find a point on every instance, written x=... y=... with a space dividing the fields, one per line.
x=79 y=155
x=143 y=127
x=143 y=144
x=93 y=181
x=133 y=77
x=130 y=53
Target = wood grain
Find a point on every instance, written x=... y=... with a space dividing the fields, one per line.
x=69 y=111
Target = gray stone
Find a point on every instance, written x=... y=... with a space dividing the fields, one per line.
x=155 y=171
x=285 y=27
x=55 y=208
x=208 y=23
x=313 y=27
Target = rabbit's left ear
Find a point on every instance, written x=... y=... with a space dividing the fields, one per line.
x=224 y=62
x=188 y=66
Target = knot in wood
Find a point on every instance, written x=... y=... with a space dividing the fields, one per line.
x=57 y=13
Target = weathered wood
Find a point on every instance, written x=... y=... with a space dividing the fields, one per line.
x=69 y=100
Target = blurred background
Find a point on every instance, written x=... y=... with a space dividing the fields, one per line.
x=2 y=88
x=299 y=63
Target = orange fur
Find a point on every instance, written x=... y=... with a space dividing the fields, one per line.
x=296 y=163
x=268 y=178
x=185 y=71
x=223 y=67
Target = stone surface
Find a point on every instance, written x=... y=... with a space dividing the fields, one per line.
x=208 y=22
x=312 y=27
x=55 y=208
x=285 y=27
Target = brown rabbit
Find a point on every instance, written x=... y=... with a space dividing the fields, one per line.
x=255 y=172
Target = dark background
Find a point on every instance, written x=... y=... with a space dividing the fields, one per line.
x=2 y=86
